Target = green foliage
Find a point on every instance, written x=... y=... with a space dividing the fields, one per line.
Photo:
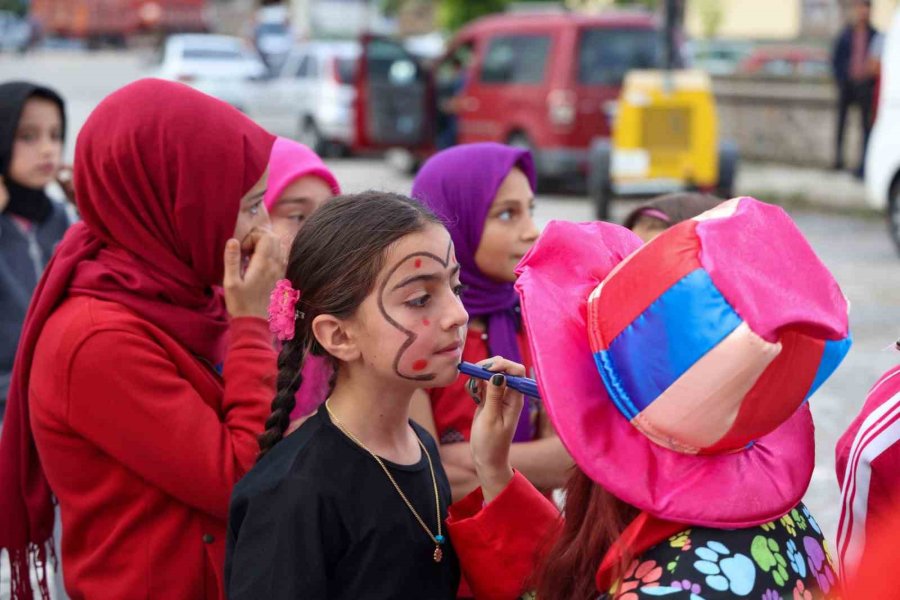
x=16 y=6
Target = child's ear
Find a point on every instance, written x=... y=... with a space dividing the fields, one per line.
x=333 y=335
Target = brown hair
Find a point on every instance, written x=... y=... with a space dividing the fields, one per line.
x=678 y=207
x=594 y=519
x=334 y=262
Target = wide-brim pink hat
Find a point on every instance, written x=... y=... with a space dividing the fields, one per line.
x=677 y=377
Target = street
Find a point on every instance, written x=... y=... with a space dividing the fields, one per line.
x=857 y=249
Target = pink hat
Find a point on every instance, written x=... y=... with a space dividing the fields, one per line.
x=678 y=379
x=290 y=161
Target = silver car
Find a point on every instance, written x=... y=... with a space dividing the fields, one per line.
x=311 y=98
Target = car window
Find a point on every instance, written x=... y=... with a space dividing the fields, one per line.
x=606 y=55
x=389 y=62
x=516 y=59
x=213 y=53
x=345 y=68
x=302 y=71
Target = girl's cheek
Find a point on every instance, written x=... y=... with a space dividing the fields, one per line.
x=418 y=356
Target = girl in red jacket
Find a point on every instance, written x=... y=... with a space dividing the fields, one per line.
x=121 y=404
x=352 y=504
x=678 y=378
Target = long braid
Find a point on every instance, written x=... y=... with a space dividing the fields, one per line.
x=290 y=378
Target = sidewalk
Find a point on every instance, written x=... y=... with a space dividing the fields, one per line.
x=803 y=187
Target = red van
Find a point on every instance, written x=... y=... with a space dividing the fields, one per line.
x=548 y=81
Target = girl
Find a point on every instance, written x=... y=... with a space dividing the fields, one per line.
x=352 y=504
x=484 y=194
x=678 y=377
x=651 y=219
x=32 y=131
x=119 y=401
x=299 y=183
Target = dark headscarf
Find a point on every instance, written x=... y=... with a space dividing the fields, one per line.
x=26 y=202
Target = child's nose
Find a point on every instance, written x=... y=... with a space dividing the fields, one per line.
x=457 y=316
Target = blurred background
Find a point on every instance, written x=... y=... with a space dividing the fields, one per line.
x=618 y=101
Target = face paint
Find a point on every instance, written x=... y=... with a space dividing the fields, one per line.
x=420 y=364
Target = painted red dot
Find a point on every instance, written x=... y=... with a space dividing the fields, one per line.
x=420 y=364
x=426 y=322
x=418 y=263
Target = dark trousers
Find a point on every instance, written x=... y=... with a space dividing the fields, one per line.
x=862 y=96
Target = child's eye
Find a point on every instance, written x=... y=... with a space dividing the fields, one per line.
x=27 y=136
x=506 y=215
x=459 y=289
x=419 y=302
x=254 y=210
x=299 y=218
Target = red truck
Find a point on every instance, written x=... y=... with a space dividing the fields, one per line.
x=117 y=20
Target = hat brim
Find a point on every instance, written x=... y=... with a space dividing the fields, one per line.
x=740 y=489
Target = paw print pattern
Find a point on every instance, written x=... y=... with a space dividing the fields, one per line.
x=681 y=540
x=639 y=575
x=771 y=595
x=767 y=555
x=800 y=591
x=770 y=526
x=798 y=565
x=724 y=571
x=812 y=522
x=788 y=523
x=819 y=565
x=799 y=519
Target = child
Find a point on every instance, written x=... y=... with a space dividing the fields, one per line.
x=299 y=183
x=484 y=194
x=649 y=220
x=351 y=505
x=32 y=131
x=677 y=373
x=144 y=370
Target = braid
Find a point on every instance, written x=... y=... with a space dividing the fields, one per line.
x=290 y=378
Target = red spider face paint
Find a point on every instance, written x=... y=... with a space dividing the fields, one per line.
x=428 y=351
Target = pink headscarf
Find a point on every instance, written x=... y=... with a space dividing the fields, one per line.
x=289 y=162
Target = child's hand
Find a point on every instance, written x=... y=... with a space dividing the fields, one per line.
x=66 y=182
x=4 y=195
x=494 y=427
x=247 y=293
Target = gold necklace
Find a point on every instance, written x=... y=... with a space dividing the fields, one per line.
x=437 y=539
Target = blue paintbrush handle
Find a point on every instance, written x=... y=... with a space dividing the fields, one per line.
x=520 y=384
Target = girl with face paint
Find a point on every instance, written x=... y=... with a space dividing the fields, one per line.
x=353 y=503
x=484 y=194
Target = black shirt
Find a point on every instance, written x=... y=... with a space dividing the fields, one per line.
x=318 y=518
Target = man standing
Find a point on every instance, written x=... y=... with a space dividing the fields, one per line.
x=855 y=80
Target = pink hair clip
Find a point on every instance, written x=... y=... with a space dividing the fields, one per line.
x=283 y=313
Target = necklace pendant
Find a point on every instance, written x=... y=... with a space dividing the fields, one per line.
x=438 y=554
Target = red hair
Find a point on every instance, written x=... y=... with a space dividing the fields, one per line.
x=594 y=520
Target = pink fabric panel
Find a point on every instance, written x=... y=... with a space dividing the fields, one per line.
x=771 y=289
x=698 y=409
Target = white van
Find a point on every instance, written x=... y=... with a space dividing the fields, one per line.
x=883 y=154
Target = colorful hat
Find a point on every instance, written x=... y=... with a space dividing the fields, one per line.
x=678 y=379
x=289 y=162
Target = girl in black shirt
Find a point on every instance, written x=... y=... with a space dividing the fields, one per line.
x=352 y=504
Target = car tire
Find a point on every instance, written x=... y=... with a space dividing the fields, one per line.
x=893 y=213
x=728 y=165
x=599 y=185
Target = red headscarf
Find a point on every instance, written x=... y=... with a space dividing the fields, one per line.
x=159 y=173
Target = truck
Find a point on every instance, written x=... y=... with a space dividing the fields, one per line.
x=115 y=21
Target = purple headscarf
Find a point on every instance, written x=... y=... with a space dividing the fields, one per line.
x=459 y=185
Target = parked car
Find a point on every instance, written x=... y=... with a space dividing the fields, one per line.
x=218 y=65
x=717 y=57
x=15 y=32
x=545 y=81
x=882 y=169
x=312 y=97
x=787 y=61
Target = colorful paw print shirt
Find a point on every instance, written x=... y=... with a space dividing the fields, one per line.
x=787 y=558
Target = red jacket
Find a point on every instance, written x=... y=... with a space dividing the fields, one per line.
x=142 y=443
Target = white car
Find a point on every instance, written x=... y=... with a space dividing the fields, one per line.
x=882 y=170
x=218 y=65
x=311 y=99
